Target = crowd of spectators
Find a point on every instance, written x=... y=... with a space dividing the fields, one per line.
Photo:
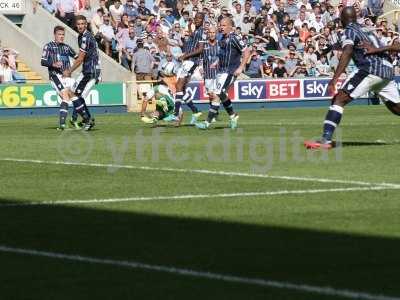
x=8 y=66
x=288 y=38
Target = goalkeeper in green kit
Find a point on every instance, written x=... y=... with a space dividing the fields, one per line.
x=164 y=104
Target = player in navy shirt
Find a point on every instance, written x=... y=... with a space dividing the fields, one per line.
x=56 y=57
x=192 y=50
x=89 y=59
x=210 y=63
x=374 y=73
x=232 y=57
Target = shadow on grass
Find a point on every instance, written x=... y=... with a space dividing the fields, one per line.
x=342 y=261
x=361 y=144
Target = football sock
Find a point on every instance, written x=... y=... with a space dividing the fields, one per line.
x=85 y=107
x=74 y=117
x=332 y=120
x=227 y=103
x=63 y=112
x=79 y=106
x=189 y=102
x=178 y=103
x=213 y=111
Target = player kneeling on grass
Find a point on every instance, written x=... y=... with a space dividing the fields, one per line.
x=165 y=105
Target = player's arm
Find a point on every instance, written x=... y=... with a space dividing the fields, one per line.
x=371 y=49
x=77 y=63
x=343 y=62
x=245 y=57
x=46 y=59
x=199 y=50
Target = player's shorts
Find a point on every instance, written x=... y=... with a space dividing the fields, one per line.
x=60 y=83
x=84 y=84
x=359 y=83
x=186 y=69
x=224 y=81
x=210 y=85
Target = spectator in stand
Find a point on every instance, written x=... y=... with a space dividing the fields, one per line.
x=130 y=9
x=298 y=23
x=49 y=5
x=267 y=68
x=291 y=9
x=270 y=43
x=317 y=24
x=107 y=35
x=139 y=28
x=97 y=21
x=237 y=14
x=247 y=26
x=122 y=34
x=254 y=66
x=280 y=71
x=323 y=69
x=129 y=49
x=184 y=20
x=291 y=62
x=285 y=39
x=142 y=62
x=102 y=5
x=88 y=12
x=309 y=56
x=300 y=71
x=6 y=73
x=66 y=10
x=169 y=17
x=11 y=56
x=116 y=12
x=143 y=11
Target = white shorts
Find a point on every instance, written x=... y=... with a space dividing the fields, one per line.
x=60 y=83
x=210 y=85
x=360 y=83
x=186 y=69
x=224 y=81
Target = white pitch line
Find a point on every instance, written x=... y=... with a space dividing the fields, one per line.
x=327 y=291
x=201 y=171
x=198 y=196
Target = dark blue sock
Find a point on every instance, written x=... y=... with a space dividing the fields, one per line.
x=79 y=106
x=227 y=103
x=178 y=102
x=74 y=115
x=85 y=107
x=213 y=111
x=332 y=120
x=63 y=112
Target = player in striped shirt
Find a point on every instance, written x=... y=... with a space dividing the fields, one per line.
x=210 y=64
x=374 y=73
x=89 y=59
x=56 y=57
x=233 y=55
x=192 y=50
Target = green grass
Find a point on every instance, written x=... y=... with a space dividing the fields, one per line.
x=346 y=240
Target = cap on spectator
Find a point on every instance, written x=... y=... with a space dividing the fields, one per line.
x=291 y=45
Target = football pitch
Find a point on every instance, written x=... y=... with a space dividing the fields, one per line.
x=127 y=211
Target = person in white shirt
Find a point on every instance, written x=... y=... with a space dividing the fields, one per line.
x=237 y=14
x=300 y=21
x=5 y=71
x=97 y=21
x=116 y=11
x=317 y=23
x=107 y=35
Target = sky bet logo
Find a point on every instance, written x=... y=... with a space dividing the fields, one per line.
x=318 y=88
x=252 y=90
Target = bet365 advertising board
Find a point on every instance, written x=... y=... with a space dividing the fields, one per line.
x=43 y=95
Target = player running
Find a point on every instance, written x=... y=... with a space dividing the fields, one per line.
x=375 y=73
x=89 y=59
x=192 y=49
x=233 y=55
x=56 y=57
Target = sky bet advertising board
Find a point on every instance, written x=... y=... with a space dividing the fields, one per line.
x=272 y=90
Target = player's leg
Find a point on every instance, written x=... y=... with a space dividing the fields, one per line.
x=210 y=85
x=81 y=89
x=390 y=95
x=357 y=85
x=227 y=80
x=57 y=83
x=183 y=76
